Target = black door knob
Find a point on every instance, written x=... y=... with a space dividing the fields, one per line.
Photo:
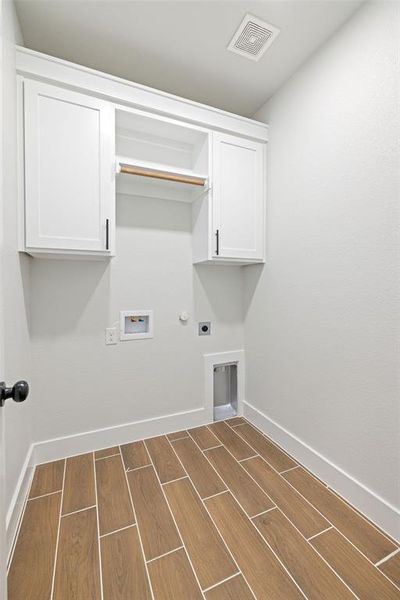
x=19 y=392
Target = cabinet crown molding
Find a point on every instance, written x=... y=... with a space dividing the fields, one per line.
x=50 y=69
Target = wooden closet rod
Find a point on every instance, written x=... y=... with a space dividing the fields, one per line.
x=156 y=174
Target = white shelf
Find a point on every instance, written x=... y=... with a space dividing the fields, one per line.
x=159 y=181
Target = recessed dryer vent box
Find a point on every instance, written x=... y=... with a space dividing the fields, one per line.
x=136 y=324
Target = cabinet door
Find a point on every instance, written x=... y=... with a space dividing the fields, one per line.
x=69 y=183
x=238 y=197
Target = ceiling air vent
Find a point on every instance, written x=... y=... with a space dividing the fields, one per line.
x=253 y=37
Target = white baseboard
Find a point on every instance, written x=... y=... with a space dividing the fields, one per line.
x=89 y=441
x=118 y=434
x=378 y=510
x=18 y=499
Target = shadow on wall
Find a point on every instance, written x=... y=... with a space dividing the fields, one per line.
x=62 y=291
x=152 y=213
x=251 y=279
x=218 y=291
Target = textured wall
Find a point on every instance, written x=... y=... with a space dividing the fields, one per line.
x=80 y=383
x=322 y=319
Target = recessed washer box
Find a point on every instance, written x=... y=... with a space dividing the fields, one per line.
x=136 y=324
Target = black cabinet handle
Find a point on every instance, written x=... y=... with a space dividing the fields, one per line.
x=217 y=241
x=107 y=234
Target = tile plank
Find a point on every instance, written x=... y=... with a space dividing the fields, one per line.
x=123 y=568
x=301 y=513
x=235 y=421
x=31 y=569
x=114 y=505
x=233 y=589
x=359 y=531
x=251 y=498
x=204 y=438
x=78 y=567
x=157 y=528
x=265 y=575
x=79 y=488
x=361 y=576
x=48 y=478
x=209 y=557
x=105 y=452
x=203 y=476
x=265 y=448
x=135 y=455
x=310 y=572
x=235 y=444
x=177 y=435
x=172 y=578
x=391 y=568
x=164 y=459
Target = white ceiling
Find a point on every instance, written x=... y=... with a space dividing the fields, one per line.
x=180 y=46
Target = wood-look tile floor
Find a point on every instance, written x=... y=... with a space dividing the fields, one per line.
x=217 y=513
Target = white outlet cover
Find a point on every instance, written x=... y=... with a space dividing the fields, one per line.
x=111 y=336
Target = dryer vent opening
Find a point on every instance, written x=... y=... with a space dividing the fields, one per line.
x=225 y=392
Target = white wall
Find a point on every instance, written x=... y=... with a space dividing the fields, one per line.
x=15 y=282
x=322 y=323
x=79 y=383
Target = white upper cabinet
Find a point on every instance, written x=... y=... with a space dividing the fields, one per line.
x=238 y=198
x=81 y=149
x=69 y=172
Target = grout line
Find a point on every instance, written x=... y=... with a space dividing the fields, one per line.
x=247 y=458
x=319 y=533
x=263 y=512
x=270 y=440
x=221 y=582
x=98 y=527
x=287 y=470
x=251 y=477
x=315 y=550
x=165 y=554
x=104 y=457
x=172 y=480
x=383 y=560
x=340 y=533
x=73 y=512
x=138 y=528
x=276 y=556
x=209 y=430
x=44 y=495
x=208 y=512
x=376 y=565
x=137 y=468
x=213 y=495
x=206 y=449
x=360 y=514
x=177 y=439
x=58 y=533
x=286 y=518
x=117 y=530
x=315 y=508
x=172 y=515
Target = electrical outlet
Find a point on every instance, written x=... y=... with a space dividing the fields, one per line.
x=204 y=328
x=111 y=335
